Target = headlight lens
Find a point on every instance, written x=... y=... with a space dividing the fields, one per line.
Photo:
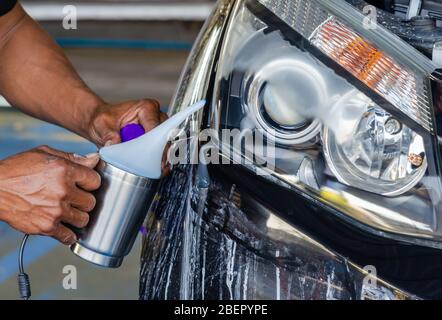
x=348 y=108
x=383 y=156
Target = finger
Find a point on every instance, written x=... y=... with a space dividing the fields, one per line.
x=64 y=235
x=90 y=161
x=81 y=167
x=165 y=166
x=163 y=117
x=85 y=178
x=112 y=138
x=165 y=170
x=82 y=200
x=149 y=114
x=75 y=217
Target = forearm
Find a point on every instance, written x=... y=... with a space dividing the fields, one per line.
x=37 y=78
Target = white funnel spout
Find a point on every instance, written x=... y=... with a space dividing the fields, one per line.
x=143 y=156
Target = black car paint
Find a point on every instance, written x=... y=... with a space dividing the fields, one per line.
x=415 y=269
x=410 y=268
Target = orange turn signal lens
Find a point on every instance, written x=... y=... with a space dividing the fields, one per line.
x=375 y=69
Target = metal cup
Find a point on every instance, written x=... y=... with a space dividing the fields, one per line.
x=122 y=205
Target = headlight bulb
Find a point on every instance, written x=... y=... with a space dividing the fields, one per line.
x=381 y=156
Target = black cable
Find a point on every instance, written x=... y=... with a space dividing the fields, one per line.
x=24 y=285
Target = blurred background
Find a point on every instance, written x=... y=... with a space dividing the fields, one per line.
x=123 y=50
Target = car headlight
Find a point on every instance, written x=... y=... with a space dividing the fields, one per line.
x=349 y=107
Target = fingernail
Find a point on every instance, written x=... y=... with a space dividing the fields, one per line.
x=70 y=240
x=79 y=156
x=107 y=144
x=91 y=155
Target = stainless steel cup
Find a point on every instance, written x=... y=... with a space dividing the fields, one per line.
x=122 y=204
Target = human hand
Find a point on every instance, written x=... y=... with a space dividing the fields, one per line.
x=108 y=120
x=42 y=188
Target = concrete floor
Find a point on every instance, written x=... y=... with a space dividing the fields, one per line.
x=116 y=75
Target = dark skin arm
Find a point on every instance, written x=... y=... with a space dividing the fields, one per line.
x=42 y=188
x=37 y=78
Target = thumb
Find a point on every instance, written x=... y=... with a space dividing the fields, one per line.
x=112 y=138
x=91 y=160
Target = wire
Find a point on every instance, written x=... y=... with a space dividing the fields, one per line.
x=22 y=249
x=24 y=285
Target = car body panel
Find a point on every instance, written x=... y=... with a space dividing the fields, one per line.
x=222 y=243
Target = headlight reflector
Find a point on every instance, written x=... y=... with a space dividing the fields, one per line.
x=382 y=157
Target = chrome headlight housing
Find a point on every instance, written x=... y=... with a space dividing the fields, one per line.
x=349 y=108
